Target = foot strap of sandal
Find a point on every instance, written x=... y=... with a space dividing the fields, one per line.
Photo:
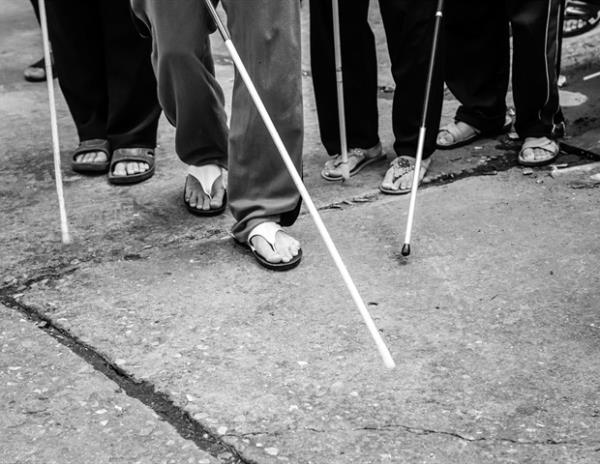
x=458 y=135
x=206 y=175
x=266 y=230
x=543 y=143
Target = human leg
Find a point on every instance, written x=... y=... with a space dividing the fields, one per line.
x=267 y=34
x=189 y=94
x=133 y=109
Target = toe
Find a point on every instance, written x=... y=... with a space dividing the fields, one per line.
x=444 y=138
x=205 y=202
x=218 y=194
x=100 y=157
x=195 y=201
x=119 y=170
x=405 y=182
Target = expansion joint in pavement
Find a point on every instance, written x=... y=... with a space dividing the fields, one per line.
x=143 y=391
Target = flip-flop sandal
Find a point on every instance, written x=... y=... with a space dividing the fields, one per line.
x=268 y=231
x=90 y=146
x=399 y=168
x=546 y=144
x=360 y=155
x=457 y=134
x=205 y=178
x=133 y=155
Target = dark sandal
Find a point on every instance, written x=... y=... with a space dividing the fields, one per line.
x=90 y=146
x=125 y=155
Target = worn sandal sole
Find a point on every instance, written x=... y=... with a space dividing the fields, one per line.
x=131 y=179
x=206 y=212
x=280 y=267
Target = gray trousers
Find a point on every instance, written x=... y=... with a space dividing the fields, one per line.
x=267 y=36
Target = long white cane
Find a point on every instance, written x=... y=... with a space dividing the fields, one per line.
x=64 y=226
x=383 y=350
x=339 y=74
x=423 y=129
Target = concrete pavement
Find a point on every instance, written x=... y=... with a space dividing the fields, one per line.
x=493 y=321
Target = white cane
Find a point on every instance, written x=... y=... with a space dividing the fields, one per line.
x=423 y=129
x=383 y=350
x=64 y=226
x=339 y=74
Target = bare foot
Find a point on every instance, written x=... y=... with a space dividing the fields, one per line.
x=130 y=168
x=538 y=150
x=283 y=250
x=456 y=133
x=202 y=178
x=399 y=177
x=93 y=157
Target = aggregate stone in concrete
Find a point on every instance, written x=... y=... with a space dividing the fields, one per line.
x=493 y=322
x=55 y=409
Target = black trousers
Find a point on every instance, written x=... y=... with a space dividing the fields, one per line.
x=477 y=66
x=104 y=71
x=409 y=31
x=36 y=9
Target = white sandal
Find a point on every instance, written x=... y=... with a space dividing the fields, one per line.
x=268 y=231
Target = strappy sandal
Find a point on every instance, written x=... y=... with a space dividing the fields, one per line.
x=400 y=167
x=206 y=181
x=268 y=231
x=91 y=146
x=133 y=155
x=548 y=145
x=358 y=159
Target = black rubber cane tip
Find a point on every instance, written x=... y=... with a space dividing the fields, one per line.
x=406 y=249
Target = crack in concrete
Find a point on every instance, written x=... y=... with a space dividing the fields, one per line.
x=145 y=392
x=464 y=437
x=158 y=401
x=425 y=431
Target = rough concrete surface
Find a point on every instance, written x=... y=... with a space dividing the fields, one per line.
x=493 y=321
x=491 y=364
x=55 y=408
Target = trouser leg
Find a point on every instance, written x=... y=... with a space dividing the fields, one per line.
x=36 y=9
x=267 y=36
x=76 y=36
x=359 y=63
x=188 y=92
x=133 y=108
x=535 y=52
x=477 y=61
x=409 y=28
